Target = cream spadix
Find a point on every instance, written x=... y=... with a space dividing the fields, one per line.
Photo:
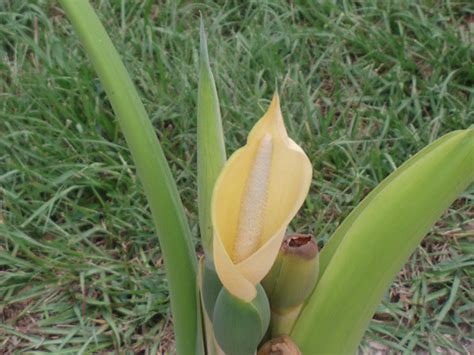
x=252 y=209
x=258 y=192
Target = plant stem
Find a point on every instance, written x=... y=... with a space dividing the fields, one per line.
x=154 y=173
x=282 y=323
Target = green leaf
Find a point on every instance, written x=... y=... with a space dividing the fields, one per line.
x=210 y=143
x=330 y=248
x=380 y=236
x=154 y=173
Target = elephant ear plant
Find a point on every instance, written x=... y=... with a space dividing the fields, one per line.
x=257 y=289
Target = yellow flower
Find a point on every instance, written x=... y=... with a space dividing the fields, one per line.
x=258 y=192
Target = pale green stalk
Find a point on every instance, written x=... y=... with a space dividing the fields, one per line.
x=282 y=323
x=211 y=154
x=153 y=170
x=386 y=229
x=211 y=345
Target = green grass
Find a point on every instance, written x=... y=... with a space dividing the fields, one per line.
x=364 y=86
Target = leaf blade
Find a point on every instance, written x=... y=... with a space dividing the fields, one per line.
x=211 y=153
x=338 y=312
x=153 y=170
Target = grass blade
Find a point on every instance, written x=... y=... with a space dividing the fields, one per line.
x=153 y=170
x=210 y=142
x=386 y=231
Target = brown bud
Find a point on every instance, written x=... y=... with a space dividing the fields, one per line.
x=279 y=346
x=303 y=245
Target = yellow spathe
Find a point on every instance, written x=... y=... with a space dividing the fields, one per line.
x=258 y=192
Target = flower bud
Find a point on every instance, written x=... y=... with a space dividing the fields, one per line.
x=291 y=280
x=239 y=326
x=259 y=190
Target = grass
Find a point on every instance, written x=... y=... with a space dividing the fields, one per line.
x=364 y=85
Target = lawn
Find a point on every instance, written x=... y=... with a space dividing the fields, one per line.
x=364 y=85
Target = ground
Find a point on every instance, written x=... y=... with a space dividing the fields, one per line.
x=364 y=85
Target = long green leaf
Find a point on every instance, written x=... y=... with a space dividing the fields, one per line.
x=333 y=243
x=153 y=170
x=379 y=239
x=210 y=142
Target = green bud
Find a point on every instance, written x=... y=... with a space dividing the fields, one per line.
x=291 y=280
x=211 y=286
x=239 y=326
